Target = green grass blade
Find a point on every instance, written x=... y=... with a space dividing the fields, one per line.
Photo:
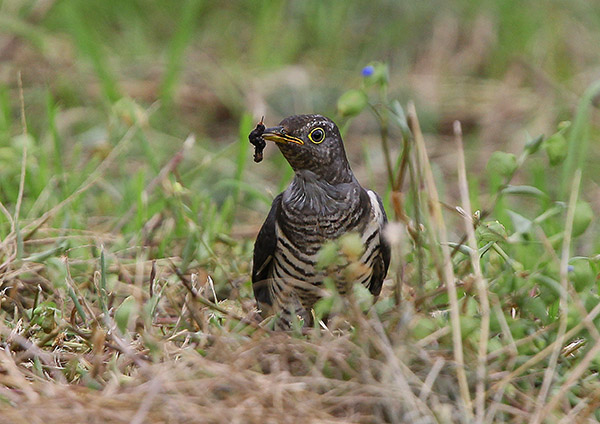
x=578 y=140
x=102 y=296
x=187 y=22
x=90 y=47
x=243 y=151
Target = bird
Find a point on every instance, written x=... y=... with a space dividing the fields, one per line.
x=323 y=202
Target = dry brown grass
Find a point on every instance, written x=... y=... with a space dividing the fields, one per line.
x=228 y=376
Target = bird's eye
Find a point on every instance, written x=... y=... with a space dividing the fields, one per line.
x=317 y=135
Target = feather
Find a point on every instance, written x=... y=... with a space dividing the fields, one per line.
x=264 y=248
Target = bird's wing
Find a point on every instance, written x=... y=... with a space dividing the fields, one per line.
x=382 y=260
x=264 y=248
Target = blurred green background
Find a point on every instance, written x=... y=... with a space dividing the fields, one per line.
x=208 y=63
x=506 y=69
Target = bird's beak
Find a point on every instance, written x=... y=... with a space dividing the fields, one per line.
x=278 y=135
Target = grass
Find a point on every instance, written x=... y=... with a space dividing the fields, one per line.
x=129 y=205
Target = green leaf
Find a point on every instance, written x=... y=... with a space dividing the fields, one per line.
x=399 y=117
x=423 y=327
x=550 y=289
x=352 y=102
x=590 y=303
x=524 y=190
x=520 y=223
x=484 y=249
x=190 y=247
x=579 y=138
x=328 y=255
x=583 y=217
x=535 y=307
x=324 y=306
x=385 y=305
x=582 y=276
x=125 y=313
x=491 y=231
x=502 y=163
x=352 y=246
x=468 y=325
x=462 y=248
x=533 y=145
x=363 y=296
x=46 y=315
x=42 y=256
x=556 y=148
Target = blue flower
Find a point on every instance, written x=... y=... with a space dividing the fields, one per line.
x=368 y=71
x=571 y=268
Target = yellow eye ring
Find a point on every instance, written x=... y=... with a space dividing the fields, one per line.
x=317 y=135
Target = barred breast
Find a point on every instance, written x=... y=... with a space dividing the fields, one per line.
x=295 y=280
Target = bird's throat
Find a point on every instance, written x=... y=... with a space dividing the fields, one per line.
x=311 y=195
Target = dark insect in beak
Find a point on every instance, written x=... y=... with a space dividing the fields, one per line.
x=257 y=140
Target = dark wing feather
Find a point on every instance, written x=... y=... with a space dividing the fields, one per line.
x=264 y=248
x=382 y=261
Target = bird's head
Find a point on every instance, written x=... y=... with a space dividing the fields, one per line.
x=312 y=143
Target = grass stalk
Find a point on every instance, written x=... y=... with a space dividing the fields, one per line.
x=188 y=285
x=16 y=226
x=543 y=354
x=578 y=140
x=416 y=178
x=102 y=293
x=480 y=281
x=541 y=409
x=575 y=297
x=164 y=172
x=90 y=181
x=180 y=40
x=513 y=351
x=448 y=272
x=88 y=44
x=384 y=133
x=574 y=377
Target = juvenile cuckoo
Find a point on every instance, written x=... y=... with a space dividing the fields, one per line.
x=323 y=202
